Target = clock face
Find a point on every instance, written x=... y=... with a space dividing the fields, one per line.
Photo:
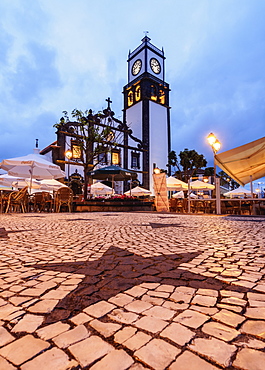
x=136 y=68
x=155 y=65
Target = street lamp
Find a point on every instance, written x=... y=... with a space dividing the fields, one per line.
x=68 y=155
x=216 y=145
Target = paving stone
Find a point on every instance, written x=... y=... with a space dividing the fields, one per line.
x=208 y=292
x=5 y=337
x=228 y=307
x=123 y=317
x=250 y=343
x=52 y=330
x=249 y=359
x=138 y=306
x=121 y=299
x=178 y=333
x=254 y=327
x=206 y=310
x=256 y=296
x=151 y=324
x=6 y=310
x=157 y=354
x=220 y=331
x=153 y=300
x=234 y=301
x=5 y=365
x=81 y=318
x=69 y=337
x=229 y=318
x=51 y=359
x=156 y=294
x=136 y=291
x=104 y=328
x=44 y=306
x=231 y=293
x=181 y=297
x=99 y=309
x=115 y=360
x=165 y=288
x=255 y=313
x=160 y=313
x=23 y=349
x=191 y=318
x=89 y=350
x=214 y=349
x=137 y=341
x=29 y=323
x=204 y=300
x=124 y=334
x=175 y=306
x=189 y=361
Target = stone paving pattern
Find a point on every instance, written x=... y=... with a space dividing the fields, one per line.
x=116 y=291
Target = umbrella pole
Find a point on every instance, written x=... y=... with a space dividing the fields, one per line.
x=31 y=176
x=131 y=187
x=112 y=183
x=189 y=196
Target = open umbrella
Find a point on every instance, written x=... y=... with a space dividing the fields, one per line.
x=115 y=173
x=51 y=184
x=175 y=184
x=138 y=192
x=100 y=189
x=178 y=195
x=18 y=182
x=238 y=192
x=33 y=166
x=201 y=185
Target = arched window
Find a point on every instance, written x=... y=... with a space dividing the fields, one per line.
x=162 y=97
x=138 y=93
x=130 y=98
x=153 y=92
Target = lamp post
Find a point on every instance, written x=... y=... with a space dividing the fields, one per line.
x=68 y=155
x=216 y=145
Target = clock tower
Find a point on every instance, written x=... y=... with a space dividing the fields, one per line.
x=147 y=111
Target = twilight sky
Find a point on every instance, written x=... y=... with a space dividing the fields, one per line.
x=59 y=55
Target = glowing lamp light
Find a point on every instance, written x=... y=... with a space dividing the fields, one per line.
x=216 y=146
x=68 y=154
x=156 y=171
x=211 y=139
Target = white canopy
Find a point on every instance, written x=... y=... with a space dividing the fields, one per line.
x=138 y=192
x=32 y=165
x=238 y=191
x=101 y=189
x=178 y=195
x=245 y=163
x=175 y=184
x=201 y=185
x=51 y=184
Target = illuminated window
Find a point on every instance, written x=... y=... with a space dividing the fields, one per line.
x=130 y=98
x=115 y=157
x=162 y=98
x=138 y=93
x=135 y=160
x=76 y=150
x=153 y=93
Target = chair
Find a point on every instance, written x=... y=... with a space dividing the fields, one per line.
x=37 y=200
x=47 y=201
x=63 y=197
x=18 y=200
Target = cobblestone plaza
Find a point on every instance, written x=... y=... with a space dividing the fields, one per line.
x=132 y=291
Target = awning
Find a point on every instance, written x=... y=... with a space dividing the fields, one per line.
x=245 y=163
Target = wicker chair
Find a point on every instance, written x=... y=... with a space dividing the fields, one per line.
x=63 y=197
x=18 y=200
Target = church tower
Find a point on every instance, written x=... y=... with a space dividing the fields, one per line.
x=147 y=111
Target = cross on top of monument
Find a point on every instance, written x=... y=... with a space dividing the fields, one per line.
x=108 y=101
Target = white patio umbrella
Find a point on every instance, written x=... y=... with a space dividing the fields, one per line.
x=18 y=182
x=178 y=195
x=51 y=184
x=33 y=166
x=237 y=192
x=175 y=184
x=201 y=185
x=101 y=189
x=138 y=192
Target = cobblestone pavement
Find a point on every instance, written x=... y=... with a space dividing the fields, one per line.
x=132 y=291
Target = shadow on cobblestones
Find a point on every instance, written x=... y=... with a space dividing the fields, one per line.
x=118 y=270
